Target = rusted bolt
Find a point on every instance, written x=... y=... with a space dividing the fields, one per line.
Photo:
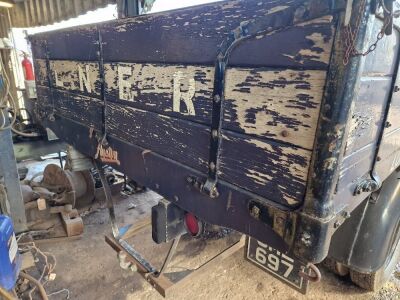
x=214 y=134
x=280 y=221
x=346 y=214
x=285 y=133
x=217 y=98
x=396 y=89
x=388 y=124
x=214 y=192
x=255 y=211
x=212 y=166
x=378 y=158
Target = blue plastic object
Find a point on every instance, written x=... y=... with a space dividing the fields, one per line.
x=10 y=261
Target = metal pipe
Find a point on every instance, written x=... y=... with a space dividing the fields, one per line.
x=35 y=282
x=6 y=295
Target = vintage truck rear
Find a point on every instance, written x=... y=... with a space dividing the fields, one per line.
x=266 y=117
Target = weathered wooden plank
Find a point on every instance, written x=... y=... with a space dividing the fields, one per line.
x=82 y=77
x=282 y=105
x=266 y=168
x=82 y=109
x=183 y=141
x=40 y=72
x=85 y=110
x=80 y=43
x=310 y=45
x=193 y=36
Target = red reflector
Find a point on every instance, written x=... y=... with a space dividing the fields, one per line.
x=192 y=224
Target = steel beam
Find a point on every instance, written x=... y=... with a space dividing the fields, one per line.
x=11 y=202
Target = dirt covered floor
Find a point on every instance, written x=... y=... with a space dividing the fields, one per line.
x=89 y=268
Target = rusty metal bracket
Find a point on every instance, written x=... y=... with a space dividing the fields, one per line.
x=368 y=185
x=314 y=274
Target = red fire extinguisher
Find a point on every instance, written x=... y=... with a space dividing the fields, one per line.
x=28 y=68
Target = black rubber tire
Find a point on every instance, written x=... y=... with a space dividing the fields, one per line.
x=374 y=281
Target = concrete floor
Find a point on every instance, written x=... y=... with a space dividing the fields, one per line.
x=89 y=268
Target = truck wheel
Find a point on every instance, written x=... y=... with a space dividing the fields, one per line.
x=374 y=281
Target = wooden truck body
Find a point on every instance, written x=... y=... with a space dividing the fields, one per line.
x=258 y=116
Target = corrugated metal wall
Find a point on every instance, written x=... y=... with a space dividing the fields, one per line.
x=32 y=13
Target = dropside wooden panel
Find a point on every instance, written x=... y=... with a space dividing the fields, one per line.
x=158 y=75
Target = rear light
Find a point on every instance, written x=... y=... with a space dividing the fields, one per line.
x=192 y=224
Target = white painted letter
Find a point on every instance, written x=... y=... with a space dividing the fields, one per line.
x=123 y=83
x=57 y=81
x=187 y=97
x=84 y=80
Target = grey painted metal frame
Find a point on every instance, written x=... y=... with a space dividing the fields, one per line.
x=11 y=200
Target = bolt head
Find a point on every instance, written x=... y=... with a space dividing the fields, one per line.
x=285 y=133
x=212 y=166
x=214 y=133
x=214 y=193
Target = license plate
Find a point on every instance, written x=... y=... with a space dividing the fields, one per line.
x=283 y=267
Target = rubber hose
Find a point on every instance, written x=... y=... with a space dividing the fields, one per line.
x=35 y=282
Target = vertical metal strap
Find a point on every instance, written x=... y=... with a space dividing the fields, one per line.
x=102 y=88
x=169 y=256
x=210 y=186
x=109 y=200
x=50 y=81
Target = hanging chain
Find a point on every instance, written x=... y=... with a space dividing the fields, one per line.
x=351 y=34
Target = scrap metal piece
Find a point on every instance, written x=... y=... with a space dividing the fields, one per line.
x=70 y=187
